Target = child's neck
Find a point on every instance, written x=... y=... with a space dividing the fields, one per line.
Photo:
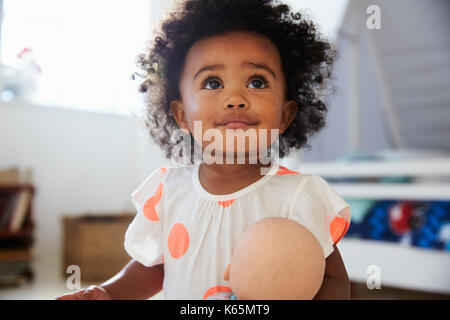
x=222 y=179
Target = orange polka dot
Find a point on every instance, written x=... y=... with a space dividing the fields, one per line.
x=226 y=203
x=178 y=240
x=163 y=170
x=284 y=170
x=150 y=204
x=214 y=290
x=338 y=228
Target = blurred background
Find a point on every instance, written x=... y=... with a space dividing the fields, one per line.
x=73 y=146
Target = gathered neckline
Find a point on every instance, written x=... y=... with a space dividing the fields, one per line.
x=224 y=197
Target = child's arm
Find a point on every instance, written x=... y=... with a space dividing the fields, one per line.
x=336 y=284
x=133 y=282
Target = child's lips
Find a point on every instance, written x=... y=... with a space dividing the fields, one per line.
x=236 y=124
x=236 y=120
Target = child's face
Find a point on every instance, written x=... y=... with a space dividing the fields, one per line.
x=237 y=73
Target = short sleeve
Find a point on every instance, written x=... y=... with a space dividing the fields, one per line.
x=143 y=237
x=317 y=206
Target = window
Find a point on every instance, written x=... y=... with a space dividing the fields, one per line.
x=86 y=49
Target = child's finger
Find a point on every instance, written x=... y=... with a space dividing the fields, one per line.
x=94 y=293
x=71 y=296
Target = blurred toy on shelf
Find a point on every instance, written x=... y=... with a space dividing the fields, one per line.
x=433 y=218
x=19 y=82
x=424 y=224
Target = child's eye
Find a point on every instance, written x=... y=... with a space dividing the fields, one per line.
x=259 y=82
x=211 y=83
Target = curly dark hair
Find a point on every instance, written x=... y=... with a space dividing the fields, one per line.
x=306 y=61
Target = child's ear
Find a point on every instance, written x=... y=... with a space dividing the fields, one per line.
x=290 y=109
x=178 y=113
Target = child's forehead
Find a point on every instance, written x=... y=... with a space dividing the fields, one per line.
x=238 y=40
x=233 y=47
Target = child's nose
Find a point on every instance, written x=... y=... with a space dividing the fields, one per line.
x=235 y=97
x=242 y=105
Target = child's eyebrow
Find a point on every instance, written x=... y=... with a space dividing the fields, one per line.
x=245 y=63
x=211 y=67
x=260 y=66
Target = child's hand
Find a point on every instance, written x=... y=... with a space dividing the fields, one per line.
x=90 y=293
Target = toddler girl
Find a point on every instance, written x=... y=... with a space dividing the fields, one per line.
x=245 y=67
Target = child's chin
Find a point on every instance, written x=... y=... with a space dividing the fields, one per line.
x=246 y=156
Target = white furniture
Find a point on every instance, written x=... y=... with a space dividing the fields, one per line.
x=400 y=265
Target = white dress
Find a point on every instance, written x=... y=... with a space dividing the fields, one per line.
x=194 y=232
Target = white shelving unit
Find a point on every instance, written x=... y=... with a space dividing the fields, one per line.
x=400 y=265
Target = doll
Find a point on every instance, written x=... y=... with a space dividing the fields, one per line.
x=275 y=259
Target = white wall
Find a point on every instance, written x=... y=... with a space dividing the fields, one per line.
x=82 y=162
